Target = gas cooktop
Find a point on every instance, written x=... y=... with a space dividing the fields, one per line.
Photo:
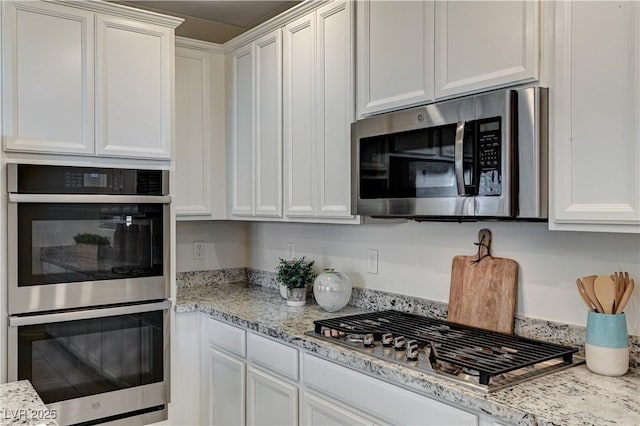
x=481 y=359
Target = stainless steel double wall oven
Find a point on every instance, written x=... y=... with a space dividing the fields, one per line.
x=88 y=269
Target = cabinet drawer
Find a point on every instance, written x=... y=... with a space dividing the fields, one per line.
x=377 y=398
x=224 y=336
x=272 y=355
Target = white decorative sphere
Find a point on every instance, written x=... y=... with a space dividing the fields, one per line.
x=332 y=290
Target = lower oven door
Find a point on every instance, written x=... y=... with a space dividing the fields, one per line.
x=95 y=364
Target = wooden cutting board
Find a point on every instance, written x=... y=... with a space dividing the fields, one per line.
x=483 y=294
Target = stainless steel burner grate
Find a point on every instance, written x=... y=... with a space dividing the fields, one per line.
x=449 y=347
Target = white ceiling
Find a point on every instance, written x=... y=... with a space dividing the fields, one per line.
x=226 y=19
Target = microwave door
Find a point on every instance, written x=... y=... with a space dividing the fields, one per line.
x=421 y=172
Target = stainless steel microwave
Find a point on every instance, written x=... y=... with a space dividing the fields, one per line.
x=477 y=157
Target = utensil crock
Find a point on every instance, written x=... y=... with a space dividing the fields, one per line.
x=607 y=344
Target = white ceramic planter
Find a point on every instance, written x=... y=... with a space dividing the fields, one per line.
x=607 y=344
x=283 y=290
x=296 y=296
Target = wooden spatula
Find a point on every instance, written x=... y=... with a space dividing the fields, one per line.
x=588 y=288
x=605 y=291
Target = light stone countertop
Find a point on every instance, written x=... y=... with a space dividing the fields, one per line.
x=571 y=397
x=21 y=405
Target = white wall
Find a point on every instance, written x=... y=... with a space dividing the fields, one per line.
x=225 y=245
x=415 y=259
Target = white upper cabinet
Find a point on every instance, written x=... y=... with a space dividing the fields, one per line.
x=484 y=44
x=299 y=116
x=77 y=80
x=318 y=111
x=200 y=135
x=255 y=127
x=412 y=52
x=47 y=78
x=595 y=149
x=268 y=125
x=394 y=54
x=241 y=129
x=335 y=109
x=134 y=72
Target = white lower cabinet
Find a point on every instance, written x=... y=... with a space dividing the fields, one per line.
x=185 y=390
x=223 y=373
x=363 y=394
x=316 y=411
x=270 y=400
x=247 y=378
x=223 y=389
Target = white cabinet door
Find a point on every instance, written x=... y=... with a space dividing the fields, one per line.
x=47 y=78
x=268 y=125
x=595 y=150
x=223 y=388
x=395 y=54
x=335 y=109
x=200 y=143
x=485 y=44
x=185 y=380
x=270 y=401
x=241 y=130
x=134 y=81
x=318 y=111
x=299 y=116
x=193 y=137
x=255 y=135
x=391 y=404
x=317 y=411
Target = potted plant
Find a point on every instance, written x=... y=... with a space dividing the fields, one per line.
x=90 y=245
x=296 y=275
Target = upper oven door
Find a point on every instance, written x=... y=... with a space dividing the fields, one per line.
x=416 y=162
x=78 y=250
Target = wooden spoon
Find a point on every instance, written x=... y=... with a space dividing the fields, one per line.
x=625 y=297
x=588 y=288
x=605 y=292
x=584 y=296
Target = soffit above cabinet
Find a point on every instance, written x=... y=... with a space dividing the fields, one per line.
x=216 y=21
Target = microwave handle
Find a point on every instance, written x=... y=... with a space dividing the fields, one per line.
x=459 y=156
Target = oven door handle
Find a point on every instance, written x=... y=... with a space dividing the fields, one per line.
x=459 y=157
x=17 y=321
x=89 y=198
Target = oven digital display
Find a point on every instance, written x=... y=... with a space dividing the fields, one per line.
x=95 y=180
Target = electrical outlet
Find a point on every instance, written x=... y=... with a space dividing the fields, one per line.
x=372 y=261
x=291 y=249
x=198 y=250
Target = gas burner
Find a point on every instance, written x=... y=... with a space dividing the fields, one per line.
x=484 y=360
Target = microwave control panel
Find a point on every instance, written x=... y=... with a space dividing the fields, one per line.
x=489 y=139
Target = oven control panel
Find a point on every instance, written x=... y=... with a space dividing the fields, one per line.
x=39 y=179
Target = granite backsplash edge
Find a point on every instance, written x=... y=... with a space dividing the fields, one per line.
x=534 y=328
